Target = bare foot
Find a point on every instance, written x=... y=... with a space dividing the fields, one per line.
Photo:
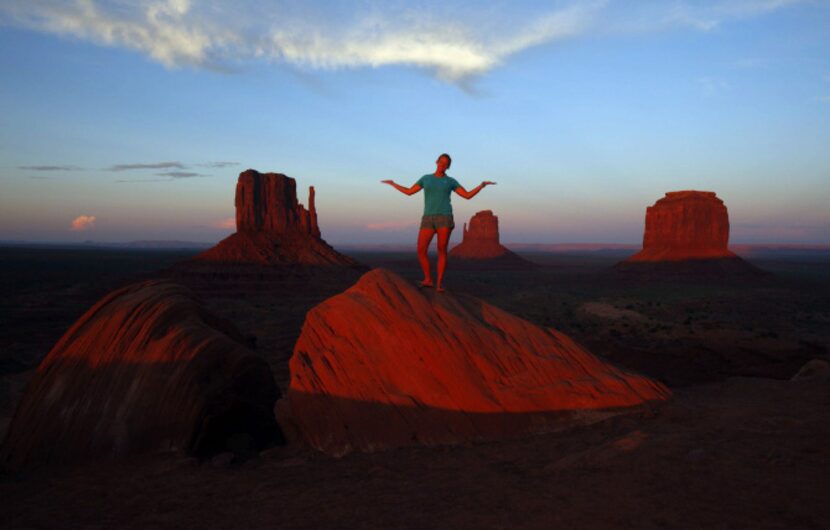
x=439 y=290
x=425 y=283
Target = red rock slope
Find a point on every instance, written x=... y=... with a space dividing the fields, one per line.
x=385 y=364
x=146 y=368
x=272 y=228
x=685 y=225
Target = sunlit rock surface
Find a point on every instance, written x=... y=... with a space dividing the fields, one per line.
x=385 y=364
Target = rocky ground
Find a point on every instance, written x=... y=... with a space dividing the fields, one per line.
x=739 y=446
x=743 y=453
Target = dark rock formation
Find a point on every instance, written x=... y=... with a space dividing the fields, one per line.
x=272 y=228
x=687 y=232
x=147 y=368
x=481 y=242
x=686 y=225
x=814 y=370
x=385 y=364
x=268 y=203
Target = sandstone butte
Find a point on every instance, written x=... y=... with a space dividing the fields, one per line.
x=685 y=225
x=272 y=227
x=147 y=368
x=385 y=364
x=481 y=240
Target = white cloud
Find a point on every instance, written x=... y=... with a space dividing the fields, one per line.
x=83 y=222
x=454 y=41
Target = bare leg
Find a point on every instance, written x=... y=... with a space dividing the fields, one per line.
x=424 y=239
x=443 y=243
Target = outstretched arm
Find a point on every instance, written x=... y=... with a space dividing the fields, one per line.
x=473 y=192
x=415 y=188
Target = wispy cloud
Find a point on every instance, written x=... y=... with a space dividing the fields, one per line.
x=454 y=40
x=155 y=165
x=218 y=164
x=126 y=181
x=82 y=223
x=180 y=174
x=49 y=168
x=825 y=99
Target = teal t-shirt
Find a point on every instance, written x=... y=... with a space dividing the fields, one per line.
x=437 y=193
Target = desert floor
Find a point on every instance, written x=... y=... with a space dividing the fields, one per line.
x=739 y=446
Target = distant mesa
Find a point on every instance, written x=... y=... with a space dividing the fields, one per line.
x=147 y=368
x=687 y=227
x=385 y=364
x=272 y=228
x=481 y=242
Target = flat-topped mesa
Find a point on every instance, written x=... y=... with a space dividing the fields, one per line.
x=481 y=240
x=385 y=364
x=272 y=228
x=686 y=225
x=267 y=202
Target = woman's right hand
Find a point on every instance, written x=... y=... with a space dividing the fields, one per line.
x=390 y=182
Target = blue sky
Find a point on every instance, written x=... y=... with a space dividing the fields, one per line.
x=142 y=114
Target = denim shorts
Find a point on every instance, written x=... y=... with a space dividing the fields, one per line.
x=434 y=222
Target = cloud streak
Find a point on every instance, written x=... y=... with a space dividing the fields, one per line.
x=218 y=164
x=451 y=40
x=49 y=168
x=180 y=174
x=156 y=165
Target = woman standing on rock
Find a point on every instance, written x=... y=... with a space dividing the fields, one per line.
x=437 y=214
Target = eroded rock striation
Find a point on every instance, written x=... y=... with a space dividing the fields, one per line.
x=481 y=241
x=272 y=227
x=385 y=364
x=147 y=368
x=686 y=225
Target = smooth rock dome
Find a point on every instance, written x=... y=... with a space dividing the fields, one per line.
x=385 y=364
x=147 y=368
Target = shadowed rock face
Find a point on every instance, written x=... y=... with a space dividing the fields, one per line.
x=268 y=203
x=685 y=225
x=385 y=364
x=481 y=241
x=147 y=368
x=272 y=228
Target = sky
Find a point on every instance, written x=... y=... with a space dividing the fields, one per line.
x=131 y=120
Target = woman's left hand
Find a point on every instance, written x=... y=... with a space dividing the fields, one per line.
x=487 y=183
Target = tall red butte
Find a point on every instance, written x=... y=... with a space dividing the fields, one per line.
x=685 y=225
x=385 y=364
x=481 y=241
x=147 y=368
x=272 y=227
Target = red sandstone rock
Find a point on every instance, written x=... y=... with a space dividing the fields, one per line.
x=685 y=225
x=385 y=364
x=272 y=227
x=267 y=202
x=481 y=240
x=147 y=368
